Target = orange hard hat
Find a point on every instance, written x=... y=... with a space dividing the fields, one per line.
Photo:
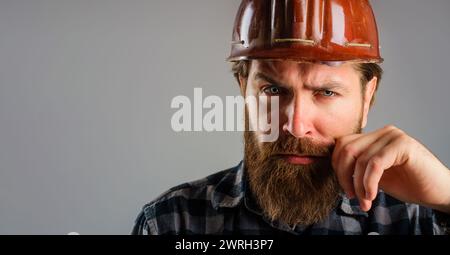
x=306 y=30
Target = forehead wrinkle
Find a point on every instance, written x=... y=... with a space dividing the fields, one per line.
x=326 y=78
x=308 y=75
x=269 y=67
x=281 y=71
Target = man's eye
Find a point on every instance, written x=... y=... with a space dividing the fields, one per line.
x=272 y=90
x=327 y=93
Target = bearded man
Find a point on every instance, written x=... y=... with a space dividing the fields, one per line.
x=321 y=175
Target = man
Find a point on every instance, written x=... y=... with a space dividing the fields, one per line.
x=321 y=175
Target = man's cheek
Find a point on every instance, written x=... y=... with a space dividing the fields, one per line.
x=264 y=117
x=270 y=119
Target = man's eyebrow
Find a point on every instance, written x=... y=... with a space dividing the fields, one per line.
x=261 y=76
x=327 y=85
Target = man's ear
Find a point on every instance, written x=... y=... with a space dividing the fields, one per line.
x=369 y=92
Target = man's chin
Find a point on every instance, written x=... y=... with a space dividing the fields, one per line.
x=294 y=194
x=289 y=188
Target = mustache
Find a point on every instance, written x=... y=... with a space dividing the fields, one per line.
x=298 y=146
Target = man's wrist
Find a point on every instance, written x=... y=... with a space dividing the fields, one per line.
x=445 y=207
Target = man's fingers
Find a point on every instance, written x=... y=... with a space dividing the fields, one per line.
x=372 y=177
x=358 y=184
x=344 y=164
x=344 y=172
x=370 y=158
x=347 y=150
x=380 y=162
x=340 y=143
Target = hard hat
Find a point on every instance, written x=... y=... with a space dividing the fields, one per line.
x=306 y=30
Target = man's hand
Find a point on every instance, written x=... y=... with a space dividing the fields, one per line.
x=391 y=160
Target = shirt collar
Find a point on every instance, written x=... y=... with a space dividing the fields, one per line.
x=232 y=189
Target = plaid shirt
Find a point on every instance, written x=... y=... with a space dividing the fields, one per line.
x=223 y=204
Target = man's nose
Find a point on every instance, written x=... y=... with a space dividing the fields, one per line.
x=299 y=118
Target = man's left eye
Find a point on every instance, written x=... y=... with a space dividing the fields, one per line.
x=328 y=93
x=272 y=90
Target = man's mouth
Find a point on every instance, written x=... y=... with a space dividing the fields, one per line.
x=297 y=159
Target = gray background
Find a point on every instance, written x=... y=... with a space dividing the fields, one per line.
x=85 y=92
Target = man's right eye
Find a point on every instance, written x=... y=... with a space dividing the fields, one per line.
x=272 y=90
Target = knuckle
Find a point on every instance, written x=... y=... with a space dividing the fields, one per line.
x=400 y=133
x=349 y=150
x=397 y=132
x=376 y=163
x=406 y=140
x=390 y=127
x=403 y=138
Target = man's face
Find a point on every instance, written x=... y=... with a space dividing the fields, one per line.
x=292 y=177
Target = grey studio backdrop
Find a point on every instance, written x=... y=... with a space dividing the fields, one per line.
x=85 y=92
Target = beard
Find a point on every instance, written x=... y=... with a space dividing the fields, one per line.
x=292 y=194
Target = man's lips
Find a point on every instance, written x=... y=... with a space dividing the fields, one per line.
x=299 y=159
